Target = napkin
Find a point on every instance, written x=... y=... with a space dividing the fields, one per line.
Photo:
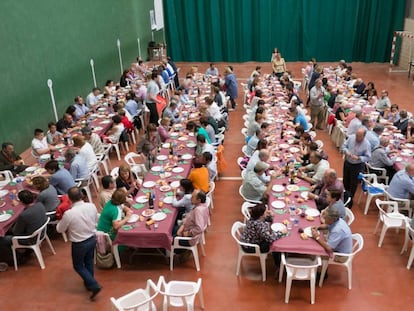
x=279 y=211
x=127 y=227
x=155 y=173
x=10 y=212
x=146 y=190
x=166 y=211
x=278 y=195
x=304 y=206
x=169 y=194
x=303 y=188
x=178 y=177
x=138 y=206
x=182 y=162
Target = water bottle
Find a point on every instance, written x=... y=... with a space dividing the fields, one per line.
x=292 y=212
x=162 y=172
x=19 y=184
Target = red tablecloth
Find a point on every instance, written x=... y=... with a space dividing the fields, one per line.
x=9 y=208
x=161 y=237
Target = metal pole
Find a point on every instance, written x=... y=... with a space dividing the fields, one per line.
x=93 y=72
x=139 y=47
x=118 y=44
x=52 y=96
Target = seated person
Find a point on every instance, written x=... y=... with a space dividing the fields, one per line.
x=114 y=134
x=333 y=197
x=172 y=113
x=253 y=141
x=109 y=187
x=410 y=131
x=199 y=175
x=329 y=182
x=209 y=129
x=316 y=169
x=127 y=180
x=53 y=136
x=212 y=71
x=94 y=140
x=148 y=144
x=402 y=184
x=258 y=231
x=402 y=123
x=81 y=109
x=65 y=123
x=78 y=167
x=60 y=178
x=93 y=97
x=197 y=130
x=31 y=219
x=253 y=187
x=298 y=119
x=115 y=214
x=85 y=151
x=380 y=157
x=163 y=129
x=47 y=193
x=393 y=115
x=39 y=143
x=182 y=197
x=10 y=160
x=195 y=221
x=339 y=234
x=210 y=164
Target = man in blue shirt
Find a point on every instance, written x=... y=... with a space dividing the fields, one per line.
x=299 y=119
x=402 y=184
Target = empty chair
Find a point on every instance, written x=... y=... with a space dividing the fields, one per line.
x=350 y=217
x=299 y=269
x=180 y=293
x=141 y=299
x=40 y=235
x=236 y=231
x=192 y=248
x=390 y=218
x=409 y=237
x=8 y=177
x=319 y=143
x=358 y=244
x=372 y=188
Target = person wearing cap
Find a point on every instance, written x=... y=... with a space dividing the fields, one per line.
x=383 y=103
x=356 y=123
x=339 y=234
x=253 y=187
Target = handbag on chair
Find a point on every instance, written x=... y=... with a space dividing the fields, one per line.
x=105 y=261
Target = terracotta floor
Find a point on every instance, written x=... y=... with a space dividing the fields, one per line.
x=380 y=279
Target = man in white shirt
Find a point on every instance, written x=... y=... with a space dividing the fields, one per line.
x=93 y=97
x=39 y=143
x=317 y=103
x=212 y=71
x=81 y=109
x=94 y=140
x=316 y=169
x=356 y=123
x=79 y=223
x=85 y=151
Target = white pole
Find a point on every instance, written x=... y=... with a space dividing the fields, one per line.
x=52 y=96
x=93 y=72
x=152 y=35
x=118 y=44
x=139 y=47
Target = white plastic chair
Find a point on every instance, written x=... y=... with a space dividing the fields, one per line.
x=403 y=204
x=375 y=170
x=409 y=237
x=236 y=231
x=373 y=189
x=141 y=299
x=115 y=172
x=244 y=132
x=245 y=210
x=51 y=215
x=299 y=269
x=40 y=235
x=244 y=150
x=319 y=143
x=239 y=161
x=180 y=293
x=136 y=163
x=358 y=244
x=390 y=219
x=8 y=177
x=192 y=248
x=210 y=193
x=350 y=217
x=247 y=199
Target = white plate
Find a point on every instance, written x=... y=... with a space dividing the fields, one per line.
x=148 y=212
x=5 y=217
x=292 y=187
x=312 y=212
x=277 y=226
x=3 y=193
x=183 y=138
x=191 y=134
x=167 y=174
x=308 y=231
x=165 y=188
x=44 y=157
x=178 y=170
x=186 y=156
x=168 y=200
x=162 y=157
x=386 y=134
x=97 y=128
x=191 y=144
x=408 y=151
x=283 y=146
x=159 y=216
x=60 y=146
x=304 y=195
x=175 y=184
x=274 y=159
x=166 y=145
x=133 y=218
x=148 y=184
x=399 y=135
x=278 y=188
x=284 y=107
x=278 y=204
x=294 y=149
x=106 y=121
x=174 y=134
x=31 y=169
x=156 y=168
x=142 y=199
x=398 y=159
x=409 y=145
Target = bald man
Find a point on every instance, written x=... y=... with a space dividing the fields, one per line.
x=402 y=184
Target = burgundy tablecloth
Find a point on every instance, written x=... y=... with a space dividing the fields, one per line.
x=9 y=208
x=161 y=237
x=293 y=242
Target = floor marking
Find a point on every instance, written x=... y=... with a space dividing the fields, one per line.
x=230 y=178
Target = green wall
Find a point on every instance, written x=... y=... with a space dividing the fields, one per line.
x=56 y=39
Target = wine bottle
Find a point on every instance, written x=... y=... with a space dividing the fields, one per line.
x=150 y=201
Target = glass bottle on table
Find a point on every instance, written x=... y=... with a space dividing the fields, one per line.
x=150 y=200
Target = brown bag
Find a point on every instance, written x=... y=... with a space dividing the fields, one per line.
x=105 y=261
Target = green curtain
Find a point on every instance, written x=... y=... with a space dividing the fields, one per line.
x=248 y=30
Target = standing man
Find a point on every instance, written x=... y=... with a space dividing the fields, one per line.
x=151 y=100
x=231 y=86
x=357 y=150
x=80 y=224
x=317 y=103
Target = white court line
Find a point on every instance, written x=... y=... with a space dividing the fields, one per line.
x=230 y=178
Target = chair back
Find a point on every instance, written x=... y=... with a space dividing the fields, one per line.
x=137 y=300
x=236 y=231
x=39 y=235
x=350 y=217
x=180 y=293
x=245 y=209
x=380 y=172
x=301 y=268
x=8 y=177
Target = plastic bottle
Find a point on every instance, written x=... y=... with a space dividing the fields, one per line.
x=19 y=184
x=292 y=213
x=162 y=172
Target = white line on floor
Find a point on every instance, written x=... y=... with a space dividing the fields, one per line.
x=230 y=178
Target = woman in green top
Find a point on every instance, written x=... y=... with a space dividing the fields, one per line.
x=114 y=214
x=196 y=129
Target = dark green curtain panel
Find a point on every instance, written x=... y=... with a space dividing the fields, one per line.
x=248 y=30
